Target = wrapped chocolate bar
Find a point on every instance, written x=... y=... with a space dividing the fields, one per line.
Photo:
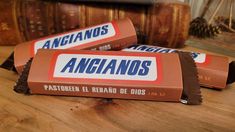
x=212 y=69
x=113 y=35
x=112 y=74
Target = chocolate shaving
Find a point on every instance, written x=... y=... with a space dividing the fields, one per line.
x=231 y=73
x=9 y=63
x=22 y=83
x=191 y=89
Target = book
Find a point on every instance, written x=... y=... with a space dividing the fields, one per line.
x=113 y=1
x=164 y=23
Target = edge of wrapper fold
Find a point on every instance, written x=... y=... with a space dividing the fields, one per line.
x=8 y=64
x=231 y=73
x=191 y=89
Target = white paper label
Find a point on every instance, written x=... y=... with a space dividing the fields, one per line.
x=106 y=67
x=77 y=38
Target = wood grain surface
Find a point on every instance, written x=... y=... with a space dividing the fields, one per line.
x=224 y=44
x=64 y=114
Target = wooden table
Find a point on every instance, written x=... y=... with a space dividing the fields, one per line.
x=54 y=113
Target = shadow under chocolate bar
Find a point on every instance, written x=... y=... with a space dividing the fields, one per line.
x=189 y=89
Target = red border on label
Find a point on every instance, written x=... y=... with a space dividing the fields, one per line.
x=106 y=81
x=85 y=45
x=207 y=61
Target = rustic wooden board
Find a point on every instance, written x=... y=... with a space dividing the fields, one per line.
x=223 y=44
x=56 y=113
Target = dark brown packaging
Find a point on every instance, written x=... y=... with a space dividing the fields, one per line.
x=212 y=69
x=113 y=35
x=112 y=74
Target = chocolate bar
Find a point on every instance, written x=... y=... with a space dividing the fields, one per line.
x=113 y=35
x=212 y=69
x=112 y=74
